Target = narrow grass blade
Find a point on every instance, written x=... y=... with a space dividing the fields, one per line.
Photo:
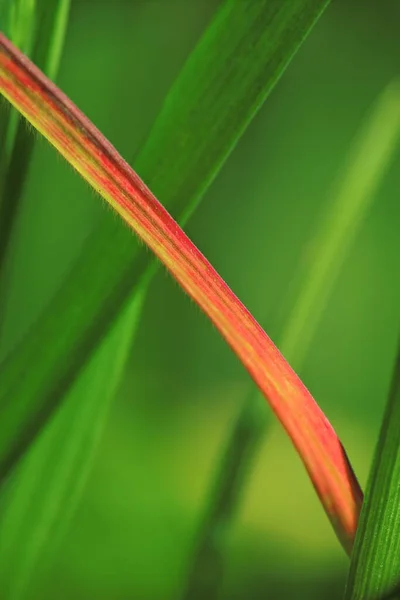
x=375 y=563
x=372 y=152
x=49 y=44
x=42 y=496
x=224 y=82
x=42 y=37
x=367 y=164
x=20 y=22
x=207 y=566
x=19 y=17
x=59 y=120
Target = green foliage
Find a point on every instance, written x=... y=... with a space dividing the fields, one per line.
x=375 y=564
x=130 y=536
x=20 y=18
x=371 y=155
x=38 y=28
x=51 y=34
x=42 y=496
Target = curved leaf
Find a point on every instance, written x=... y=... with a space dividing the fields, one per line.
x=54 y=115
x=225 y=94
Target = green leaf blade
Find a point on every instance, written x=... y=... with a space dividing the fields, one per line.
x=39 y=31
x=375 y=564
x=254 y=42
x=47 y=486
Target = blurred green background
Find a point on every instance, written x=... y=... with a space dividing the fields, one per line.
x=135 y=527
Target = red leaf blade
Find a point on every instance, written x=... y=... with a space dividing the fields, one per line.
x=86 y=149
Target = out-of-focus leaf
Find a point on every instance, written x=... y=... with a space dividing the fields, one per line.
x=18 y=19
x=42 y=496
x=207 y=566
x=20 y=22
x=52 y=26
x=356 y=188
x=38 y=28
